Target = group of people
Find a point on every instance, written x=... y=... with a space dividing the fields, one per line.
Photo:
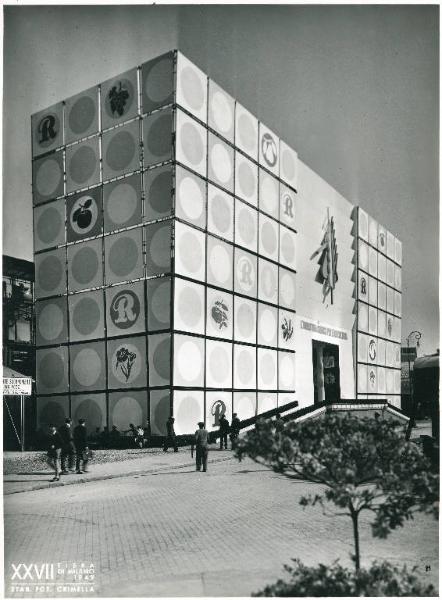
x=66 y=445
x=202 y=439
x=135 y=436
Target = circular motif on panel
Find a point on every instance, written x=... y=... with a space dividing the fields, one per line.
x=122 y=203
x=82 y=164
x=247 y=132
x=159 y=136
x=191 y=143
x=51 y=370
x=48 y=129
x=49 y=225
x=286 y=371
x=221 y=213
x=126 y=410
x=363 y=317
x=48 y=177
x=190 y=361
x=119 y=98
x=219 y=364
x=189 y=412
x=123 y=256
x=52 y=412
x=245 y=320
x=220 y=263
x=222 y=112
x=245 y=367
x=160 y=191
x=190 y=252
x=269 y=150
x=373 y=261
x=86 y=316
x=268 y=281
x=372 y=378
x=362 y=345
x=50 y=273
x=267 y=368
x=125 y=309
x=269 y=194
x=126 y=362
x=81 y=115
x=246 y=179
x=160 y=302
x=84 y=214
x=287 y=289
x=363 y=255
x=86 y=367
x=246 y=226
x=84 y=265
x=50 y=322
x=161 y=359
x=288 y=164
x=90 y=410
x=191 y=198
x=372 y=350
x=159 y=248
x=158 y=82
x=190 y=307
x=192 y=88
x=120 y=151
x=267 y=325
x=245 y=273
x=268 y=238
x=288 y=248
x=162 y=412
x=221 y=163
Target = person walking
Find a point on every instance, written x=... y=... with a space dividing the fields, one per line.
x=235 y=428
x=81 y=446
x=223 y=431
x=54 y=450
x=147 y=432
x=68 y=447
x=171 y=436
x=201 y=446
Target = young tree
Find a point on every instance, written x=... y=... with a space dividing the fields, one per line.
x=364 y=464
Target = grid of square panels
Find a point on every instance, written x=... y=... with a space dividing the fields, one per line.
x=103 y=171
x=379 y=311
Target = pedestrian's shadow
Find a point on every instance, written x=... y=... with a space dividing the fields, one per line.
x=172 y=472
x=25 y=480
x=30 y=473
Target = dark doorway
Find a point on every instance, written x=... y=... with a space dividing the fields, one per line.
x=326 y=375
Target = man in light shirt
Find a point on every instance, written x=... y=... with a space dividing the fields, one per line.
x=202 y=446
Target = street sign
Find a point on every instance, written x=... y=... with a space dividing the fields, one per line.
x=17 y=386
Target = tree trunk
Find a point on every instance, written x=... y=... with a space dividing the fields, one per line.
x=357 y=555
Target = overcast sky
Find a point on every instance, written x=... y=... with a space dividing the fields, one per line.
x=354 y=89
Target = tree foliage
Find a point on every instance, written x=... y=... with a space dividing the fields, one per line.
x=381 y=579
x=363 y=464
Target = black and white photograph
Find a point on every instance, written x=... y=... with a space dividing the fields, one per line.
x=220 y=300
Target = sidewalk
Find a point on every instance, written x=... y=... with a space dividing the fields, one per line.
x=151 y=462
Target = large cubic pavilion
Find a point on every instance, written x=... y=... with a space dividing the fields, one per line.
x=188 y=263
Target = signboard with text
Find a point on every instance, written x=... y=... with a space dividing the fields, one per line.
x=17 y=386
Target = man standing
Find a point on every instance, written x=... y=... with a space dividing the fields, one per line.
x=223 y=431
x=68 y=447
x=202 y=446
x=54 y=450
x=80 y=440
x=171 y=437
x=234 y=428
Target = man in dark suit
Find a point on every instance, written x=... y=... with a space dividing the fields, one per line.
x=171 y=436
x=223 y=431
x=81 y=446
x=54 y=450
x=68 y=447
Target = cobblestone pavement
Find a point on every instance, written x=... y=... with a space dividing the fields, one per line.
x=182 y=533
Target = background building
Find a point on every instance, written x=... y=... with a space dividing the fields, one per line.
x=18 y=344
x=188 y=262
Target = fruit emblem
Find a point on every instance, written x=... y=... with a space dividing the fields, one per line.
x=287 y=329
x=118 y=98
x=268 y=148
x=220 y=313
x=372 y=350
x=84 y=214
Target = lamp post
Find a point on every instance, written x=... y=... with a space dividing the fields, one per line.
x=414 y=336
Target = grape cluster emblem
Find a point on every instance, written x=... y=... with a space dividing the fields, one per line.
x=220 y=314
x=118 y=97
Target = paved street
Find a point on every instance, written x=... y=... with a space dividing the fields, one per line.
x=181 y=533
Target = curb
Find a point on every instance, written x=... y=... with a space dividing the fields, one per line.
x=41 y=486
